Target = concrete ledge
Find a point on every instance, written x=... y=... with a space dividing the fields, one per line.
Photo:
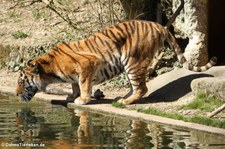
x=106 y=108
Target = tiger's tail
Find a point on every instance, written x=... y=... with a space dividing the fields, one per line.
x=173 y=44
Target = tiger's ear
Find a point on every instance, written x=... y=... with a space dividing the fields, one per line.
x=32 y=65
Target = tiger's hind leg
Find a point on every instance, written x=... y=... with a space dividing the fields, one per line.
x=137 y=79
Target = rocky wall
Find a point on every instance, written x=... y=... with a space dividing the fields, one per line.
x=192 y=23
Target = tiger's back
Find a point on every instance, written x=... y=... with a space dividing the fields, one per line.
x=130 y=46
x=121 y=46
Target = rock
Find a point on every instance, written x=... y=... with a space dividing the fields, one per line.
x=176 y=84
x=191 y=23
x=99 y=94
x=211 y=85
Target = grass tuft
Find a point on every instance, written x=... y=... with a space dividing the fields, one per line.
x=207 y=121
x=193 y=119
x=204 y=103
x=19 y=34
x=118 y=105
x=161 y=113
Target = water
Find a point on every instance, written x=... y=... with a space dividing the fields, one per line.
x=37 y=124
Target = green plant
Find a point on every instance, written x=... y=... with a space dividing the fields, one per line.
x=20 y=34
x=207 y=121
x=203 y=102
x=118 y=105
x=161 y=113
x=194 y=119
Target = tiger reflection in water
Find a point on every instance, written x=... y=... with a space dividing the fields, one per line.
x=136 y=135
x=85 y=129
x=27 y=123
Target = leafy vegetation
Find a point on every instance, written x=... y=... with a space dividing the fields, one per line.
x=15 y=57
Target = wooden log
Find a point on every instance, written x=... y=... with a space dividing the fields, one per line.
x=216 y=111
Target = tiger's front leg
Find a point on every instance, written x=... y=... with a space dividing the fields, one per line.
x=86 y=79
x=85 y=84
x=85 y=90
x=75 y=92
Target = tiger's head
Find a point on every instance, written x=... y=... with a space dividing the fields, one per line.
x=28 y=80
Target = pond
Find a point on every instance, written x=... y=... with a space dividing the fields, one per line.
x=39 y=124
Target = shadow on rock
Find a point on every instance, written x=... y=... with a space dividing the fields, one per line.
x=173 y=90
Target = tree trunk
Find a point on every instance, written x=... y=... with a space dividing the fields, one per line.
x=140 y=9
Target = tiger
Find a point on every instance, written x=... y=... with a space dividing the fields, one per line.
x=128 y=47
x=134 y=47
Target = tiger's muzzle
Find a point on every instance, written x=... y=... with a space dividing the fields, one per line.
x=27 y=93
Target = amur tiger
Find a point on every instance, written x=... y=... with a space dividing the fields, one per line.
x=133 y=47
x=127 y=47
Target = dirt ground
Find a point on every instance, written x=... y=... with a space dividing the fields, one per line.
x=43 y=26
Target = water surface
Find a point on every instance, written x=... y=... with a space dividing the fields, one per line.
x=38 y=124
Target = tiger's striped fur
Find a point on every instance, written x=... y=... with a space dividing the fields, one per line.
x=130 y=46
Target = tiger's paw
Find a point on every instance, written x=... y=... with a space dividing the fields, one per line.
x=124 y=101
x=81 y=101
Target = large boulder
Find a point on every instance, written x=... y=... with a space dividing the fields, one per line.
x=211 y=85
